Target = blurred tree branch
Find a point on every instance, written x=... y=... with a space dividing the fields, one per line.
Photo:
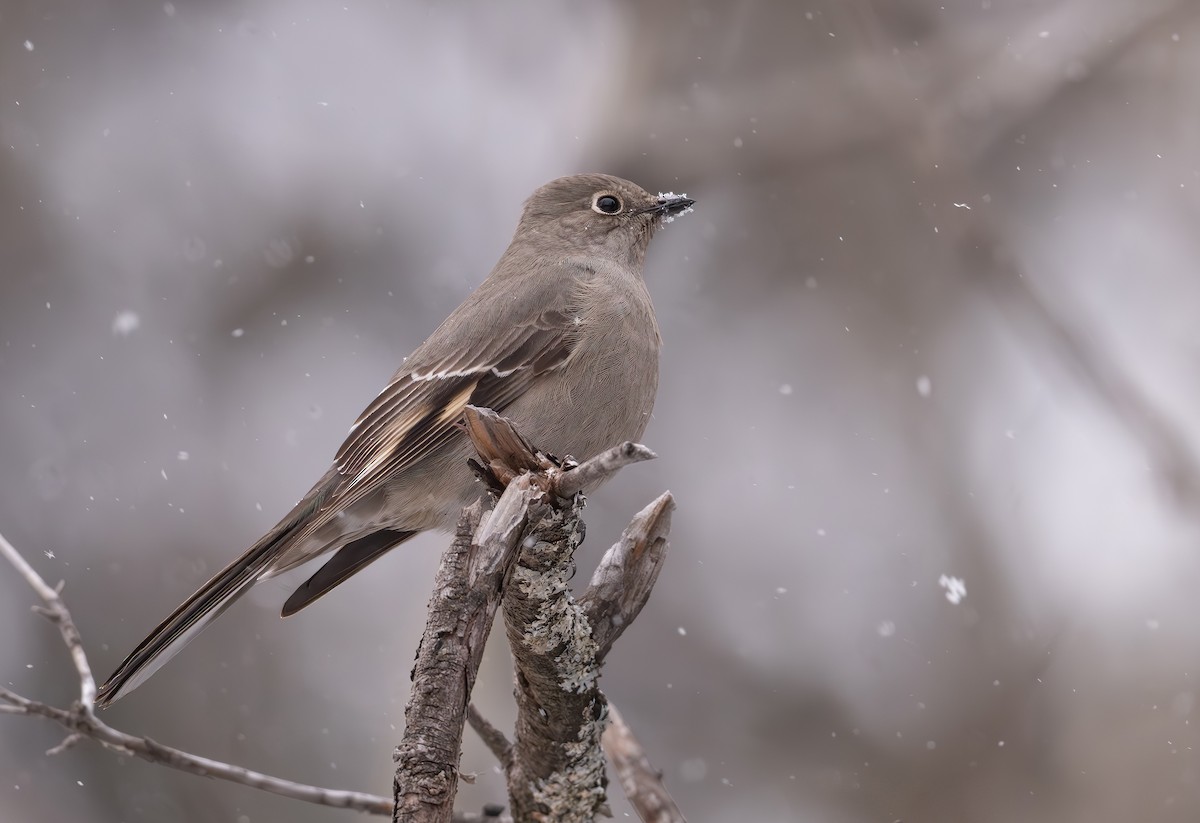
x=954 y=132
x=980 y=82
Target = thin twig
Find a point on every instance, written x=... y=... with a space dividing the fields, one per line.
x=592 y=472
x=81 y=720
x=642 y=783
x=492 y=737
x=619 y=588
x=68 y=742
x=57 y=612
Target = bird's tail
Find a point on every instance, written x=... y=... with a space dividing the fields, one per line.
x=194 y=614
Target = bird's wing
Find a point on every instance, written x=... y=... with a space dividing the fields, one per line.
x=501 y=340
x=417 y=412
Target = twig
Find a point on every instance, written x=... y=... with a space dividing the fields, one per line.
x=623 y=580
x=57 y=613
x=620 y=587
x=80 y=719
x=493 y=738
x=642 y=783
x=592 y=472
x=68 y=742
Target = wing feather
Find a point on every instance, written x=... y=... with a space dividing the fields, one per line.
x=416 y=414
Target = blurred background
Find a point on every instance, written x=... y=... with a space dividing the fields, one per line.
x=929 y=401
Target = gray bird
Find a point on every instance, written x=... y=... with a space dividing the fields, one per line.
x=560 y=337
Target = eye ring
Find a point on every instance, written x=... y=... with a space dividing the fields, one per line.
x=607 y=203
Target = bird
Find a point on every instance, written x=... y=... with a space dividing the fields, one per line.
x=561 y=338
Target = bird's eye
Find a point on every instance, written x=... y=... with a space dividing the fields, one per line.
x=607 y=204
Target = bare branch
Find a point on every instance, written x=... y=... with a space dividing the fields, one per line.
x=461 y=610
x=557 y=767
x=642 y=783
x=622 y=582
x=493 y=738
x=619 y=589
x=57 y=613
x=82 y=721
x=69 y=742
x=601 y=467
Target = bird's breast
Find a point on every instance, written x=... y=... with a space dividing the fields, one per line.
x=607 y=391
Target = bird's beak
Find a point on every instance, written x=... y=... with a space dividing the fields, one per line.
x=671 y=205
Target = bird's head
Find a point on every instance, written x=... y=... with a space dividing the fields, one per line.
x=599 y=213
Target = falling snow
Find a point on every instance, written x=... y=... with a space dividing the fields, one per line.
x=126 y=323
x=955 y=588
